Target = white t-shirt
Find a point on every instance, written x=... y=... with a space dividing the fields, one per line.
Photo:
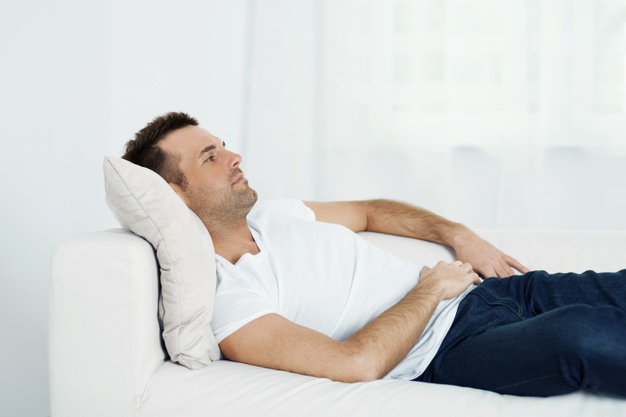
x=321 y=276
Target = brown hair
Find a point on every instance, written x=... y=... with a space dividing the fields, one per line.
x=143 y=150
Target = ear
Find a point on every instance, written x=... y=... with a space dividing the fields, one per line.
x=181 y=193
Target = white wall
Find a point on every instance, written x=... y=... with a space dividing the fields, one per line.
x=77 y=79
x=494 y=113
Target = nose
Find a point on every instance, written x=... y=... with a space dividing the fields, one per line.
x=235 y=160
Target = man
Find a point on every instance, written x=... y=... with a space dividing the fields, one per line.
x=299 y=291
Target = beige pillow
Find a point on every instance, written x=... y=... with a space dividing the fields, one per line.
x=144 y=203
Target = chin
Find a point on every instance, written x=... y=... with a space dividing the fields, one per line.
x=253 y=198
x=249 y=199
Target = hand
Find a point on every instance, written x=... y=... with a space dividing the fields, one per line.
x=448 y=279
x=487 y=260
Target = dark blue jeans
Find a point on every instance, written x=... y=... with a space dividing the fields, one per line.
x=538 y=334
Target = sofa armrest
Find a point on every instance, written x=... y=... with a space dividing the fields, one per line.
x=104 y=330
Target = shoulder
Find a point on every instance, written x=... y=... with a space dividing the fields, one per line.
x=290 y=206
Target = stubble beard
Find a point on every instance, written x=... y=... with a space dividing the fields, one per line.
x=221 y=207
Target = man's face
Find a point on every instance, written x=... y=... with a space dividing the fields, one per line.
x=216 y=188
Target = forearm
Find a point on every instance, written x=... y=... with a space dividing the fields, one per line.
x=274 y=342
x=378 y=347
x=402 y=219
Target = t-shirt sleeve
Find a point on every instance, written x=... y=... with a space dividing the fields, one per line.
x=291 y=206
x=245 y=292
x=238 y=301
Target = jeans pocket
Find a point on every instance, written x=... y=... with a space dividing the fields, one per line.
x=494 y=300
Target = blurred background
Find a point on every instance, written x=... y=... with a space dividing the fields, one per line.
x=497 y=113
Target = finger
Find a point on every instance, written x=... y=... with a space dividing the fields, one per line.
x=504 y=263
x=505 y=270
x=425 y=269
x=457 y=263
x=517 y=265
x=476 y=278
x=467 y=267
x=488 y=272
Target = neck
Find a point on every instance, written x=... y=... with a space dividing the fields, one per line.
x=232 y=240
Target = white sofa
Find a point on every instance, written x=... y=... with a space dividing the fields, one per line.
x=107 y=358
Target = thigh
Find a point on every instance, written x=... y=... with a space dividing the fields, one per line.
x=538 y=291
x=571 y=348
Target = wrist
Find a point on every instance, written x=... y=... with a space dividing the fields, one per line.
x=430 y=288
x=457 y=235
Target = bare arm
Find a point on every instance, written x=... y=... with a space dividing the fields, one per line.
x=275 y=342
x=396 y=218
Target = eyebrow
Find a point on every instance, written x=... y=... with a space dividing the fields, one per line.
x=205 y=150
x=209 y=149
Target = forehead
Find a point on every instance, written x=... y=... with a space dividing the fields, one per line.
x=188 y=142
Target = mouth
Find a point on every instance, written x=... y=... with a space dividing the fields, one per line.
x=239 y=178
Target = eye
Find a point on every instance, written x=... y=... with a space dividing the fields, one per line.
x=210 y=158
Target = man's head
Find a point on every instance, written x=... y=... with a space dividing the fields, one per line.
x=143 y=149
x=197 y=166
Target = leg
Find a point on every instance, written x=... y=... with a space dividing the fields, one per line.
x=571 y=348
x=538 y=334
x=538 y=292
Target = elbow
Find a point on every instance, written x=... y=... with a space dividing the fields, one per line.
x=365 y=373
x=359 y=367
x=368 y=376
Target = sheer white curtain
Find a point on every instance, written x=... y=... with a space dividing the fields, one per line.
x=497 y=113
